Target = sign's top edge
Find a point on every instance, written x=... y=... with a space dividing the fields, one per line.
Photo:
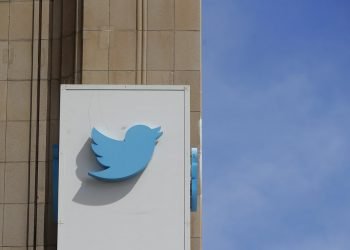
x=124 y=87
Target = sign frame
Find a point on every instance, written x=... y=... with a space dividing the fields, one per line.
x=187 y=149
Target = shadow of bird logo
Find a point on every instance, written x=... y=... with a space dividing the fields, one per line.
x=124 y=159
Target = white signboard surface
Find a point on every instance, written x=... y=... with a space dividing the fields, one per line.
x=150 y=211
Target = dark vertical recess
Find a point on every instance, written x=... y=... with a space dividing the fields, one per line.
x=80 y=41
x=70 y=41
x=48 y=132
x=30 y=129
x=35 y=229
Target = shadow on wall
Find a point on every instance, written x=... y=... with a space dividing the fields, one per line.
x=94 y=192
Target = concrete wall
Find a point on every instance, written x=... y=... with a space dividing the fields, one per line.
x=47 y=42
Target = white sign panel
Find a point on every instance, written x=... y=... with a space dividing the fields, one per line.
x=124 y=168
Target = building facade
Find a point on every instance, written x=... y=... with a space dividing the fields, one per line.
x=44 y=43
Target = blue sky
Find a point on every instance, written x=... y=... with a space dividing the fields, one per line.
x=276 y=124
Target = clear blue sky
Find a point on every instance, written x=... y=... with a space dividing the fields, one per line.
x=276 y=124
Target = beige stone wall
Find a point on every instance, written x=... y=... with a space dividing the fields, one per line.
x=48 y=42
x=23 y=162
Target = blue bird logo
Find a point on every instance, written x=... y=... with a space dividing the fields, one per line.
x=122 y=160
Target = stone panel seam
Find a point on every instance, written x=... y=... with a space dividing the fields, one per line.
x=174 y=40
x=30 y=127
x=38 y=99
x=109 y=38
x=139 y=43
x=144 y=40
x=5 y=122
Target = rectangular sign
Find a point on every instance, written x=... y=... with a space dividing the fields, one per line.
x=124 y=167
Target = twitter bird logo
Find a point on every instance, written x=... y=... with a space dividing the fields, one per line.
x=122 y=160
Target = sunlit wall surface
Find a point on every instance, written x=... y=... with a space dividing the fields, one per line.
x=45 y=43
